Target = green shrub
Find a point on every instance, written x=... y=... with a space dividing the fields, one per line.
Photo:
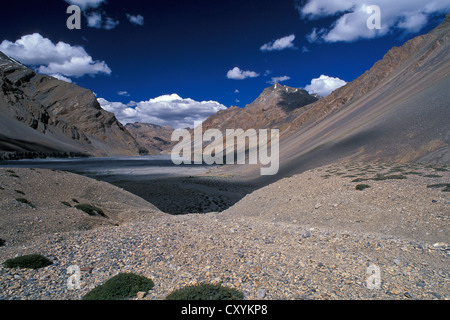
x=25 y=201
x=439 y=185
x=32 y=261
x=361 y=187
x=381 y=177
x=445 y=186
x=359 y=180
x=205 y=292
x=123 y=286
x=90 y=210
x=432 y=176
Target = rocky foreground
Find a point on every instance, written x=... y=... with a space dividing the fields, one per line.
x=309 y=236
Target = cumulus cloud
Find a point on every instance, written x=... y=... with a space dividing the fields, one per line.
x=279 y=79
x=94 y=19
x=280 y=44
x=352 y=15
x=324 y=85
x=61 y=77
x=138 y=20
x=238 y=74
x=168 y=110
x=86 y=4
x=123 y=93
x=59 y=59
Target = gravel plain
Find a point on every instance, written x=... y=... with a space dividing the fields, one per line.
x=309 y=236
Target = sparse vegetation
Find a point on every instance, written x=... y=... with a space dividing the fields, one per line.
x=439 y=185
x=359 y=180
x=123 y=286
x=66 y=204
x=361 y=187
x=381 y=177
x=90 y=210
x=445 y=186
x=205 y=292
x=414 y=173
x=25 y=201
x=33 y=261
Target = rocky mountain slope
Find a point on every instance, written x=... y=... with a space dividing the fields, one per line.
x=398 y=111
x=42 y=115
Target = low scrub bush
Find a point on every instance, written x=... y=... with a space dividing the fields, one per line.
x=32 y=261
x=25 y=201
x=361 y=187
x=445 y=186
x=205 y=292
x=90 y=210
x=381 y=177
x=123 y=286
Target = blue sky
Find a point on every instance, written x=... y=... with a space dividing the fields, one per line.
x=172 y=62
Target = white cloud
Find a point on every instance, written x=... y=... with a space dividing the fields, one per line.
x=61 y=77
x=167 y=110
x=138 y=20
x=110 y=23
x=279 y=44
x=53 y=59
x=238 y=74
x=123 y=93
x=86 y=4
x=95 y=20
x=279 y=79
x=351 y=22
x=324 y=85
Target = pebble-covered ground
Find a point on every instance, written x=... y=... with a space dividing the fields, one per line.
x=310 y=236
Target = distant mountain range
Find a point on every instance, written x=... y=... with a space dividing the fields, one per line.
x=154 y=138
x=398 y=111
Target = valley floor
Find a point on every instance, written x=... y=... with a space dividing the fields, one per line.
x=309 y=236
